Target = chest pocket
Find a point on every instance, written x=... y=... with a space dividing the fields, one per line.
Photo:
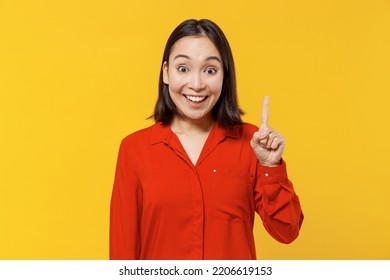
x=232 y=195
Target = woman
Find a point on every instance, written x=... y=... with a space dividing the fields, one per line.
x=188 y=187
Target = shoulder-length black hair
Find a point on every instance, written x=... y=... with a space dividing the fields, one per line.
x=226 y=111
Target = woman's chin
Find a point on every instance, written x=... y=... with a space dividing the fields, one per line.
x=197 y=117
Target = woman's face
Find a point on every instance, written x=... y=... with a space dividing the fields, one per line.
x=194 y=75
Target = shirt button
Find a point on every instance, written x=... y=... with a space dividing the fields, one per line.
x=215 y=170
x=266 y=174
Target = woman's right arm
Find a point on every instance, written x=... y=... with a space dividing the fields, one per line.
x=125 y=210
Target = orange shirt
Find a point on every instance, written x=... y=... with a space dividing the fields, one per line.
x=164 y=207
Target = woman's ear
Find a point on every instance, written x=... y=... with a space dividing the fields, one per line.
x=165 y=73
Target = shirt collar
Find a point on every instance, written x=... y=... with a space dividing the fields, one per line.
x=161 y=133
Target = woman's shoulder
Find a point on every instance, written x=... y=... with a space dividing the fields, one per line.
x=144 y=135
x=249 y=127
x=246 y=129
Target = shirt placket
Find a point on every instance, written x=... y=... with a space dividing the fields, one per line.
x=197 y=199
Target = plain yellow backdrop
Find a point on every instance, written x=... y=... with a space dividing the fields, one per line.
x=78 y=76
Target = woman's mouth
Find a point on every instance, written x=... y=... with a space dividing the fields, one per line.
x=196 y=99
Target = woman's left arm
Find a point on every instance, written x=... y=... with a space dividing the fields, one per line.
x=277 y=203
x=275 y=199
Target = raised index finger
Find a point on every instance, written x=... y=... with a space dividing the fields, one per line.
x=264 y=112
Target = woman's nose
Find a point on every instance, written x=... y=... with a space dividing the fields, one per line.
x=197 y=82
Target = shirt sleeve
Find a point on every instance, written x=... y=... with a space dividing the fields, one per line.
x=125 y=210
x=277 y=203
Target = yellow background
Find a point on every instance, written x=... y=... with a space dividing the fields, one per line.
x=77 y=76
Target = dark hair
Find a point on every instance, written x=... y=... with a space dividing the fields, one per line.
x=226 y=111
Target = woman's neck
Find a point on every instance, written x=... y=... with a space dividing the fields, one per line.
x=182 y=125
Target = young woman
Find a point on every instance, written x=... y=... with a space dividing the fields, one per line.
x=188 y=187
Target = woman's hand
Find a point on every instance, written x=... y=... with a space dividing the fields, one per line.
x=267 y=143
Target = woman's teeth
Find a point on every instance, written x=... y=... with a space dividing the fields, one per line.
x=195 y=98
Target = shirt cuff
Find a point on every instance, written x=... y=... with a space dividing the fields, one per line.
x=274 y=174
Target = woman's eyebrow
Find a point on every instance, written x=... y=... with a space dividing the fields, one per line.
x=181 y=55
x=208 y=58
x=214 y=58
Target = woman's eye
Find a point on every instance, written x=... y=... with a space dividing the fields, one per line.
x=211 y=71
x=182 y=69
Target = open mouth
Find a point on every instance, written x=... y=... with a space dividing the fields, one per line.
x=196 y=99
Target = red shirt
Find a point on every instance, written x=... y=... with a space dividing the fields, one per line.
x=164 y=207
